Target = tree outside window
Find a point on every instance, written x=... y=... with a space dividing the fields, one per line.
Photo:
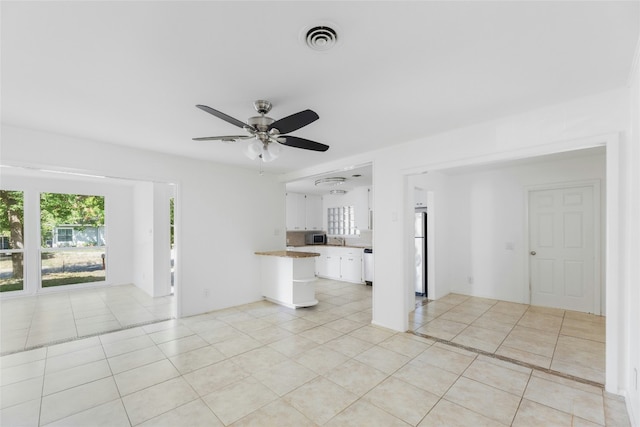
x=12 y=240
x=72 y=239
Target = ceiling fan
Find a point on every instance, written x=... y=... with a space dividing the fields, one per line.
x=267 y=132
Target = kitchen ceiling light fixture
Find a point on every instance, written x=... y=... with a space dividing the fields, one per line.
x=338 y=192
x=331 y=181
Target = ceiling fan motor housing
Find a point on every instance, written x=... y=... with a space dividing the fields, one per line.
x=262 y=106
x=261 y=123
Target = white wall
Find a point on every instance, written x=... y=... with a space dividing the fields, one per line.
x=223 y=214
x=151 y=238
x=118 y=211
x=143 y=236
x=631 y=360
x=586 y=122
x=514 y=137
x=487 y=217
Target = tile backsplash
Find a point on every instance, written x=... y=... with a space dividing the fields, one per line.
x=297 y=238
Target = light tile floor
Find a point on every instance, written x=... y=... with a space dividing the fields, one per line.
x=29 y=322
x=265 y=365
x=565 y=341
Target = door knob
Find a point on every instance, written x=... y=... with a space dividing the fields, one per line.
x=532 y=252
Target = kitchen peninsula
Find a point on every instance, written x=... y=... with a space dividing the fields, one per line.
x=288 y=277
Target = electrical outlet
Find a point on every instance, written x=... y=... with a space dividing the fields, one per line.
x=470 y=280
x=206 y=293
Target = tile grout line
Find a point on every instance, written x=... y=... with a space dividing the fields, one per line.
x=511 y=360
x=515 y=361
x=524 y=390
x=44 y=372
x=555 y=347
x=449 y=388
x=73 y=314
x=65 y=340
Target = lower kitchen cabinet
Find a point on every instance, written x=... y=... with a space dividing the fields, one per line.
x=337 y=262
x=332 y=266
x=340 y=263
x=351 y=268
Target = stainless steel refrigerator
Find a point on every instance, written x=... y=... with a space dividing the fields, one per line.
x=420 y=232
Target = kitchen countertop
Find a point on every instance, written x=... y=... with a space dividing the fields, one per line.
x=289 y=254
x=334 y=246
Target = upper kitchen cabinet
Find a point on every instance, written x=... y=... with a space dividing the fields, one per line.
x=304 y=212
x=313 y=212
x=296 y=215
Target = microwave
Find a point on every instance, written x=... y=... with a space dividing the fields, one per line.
x=316 y=239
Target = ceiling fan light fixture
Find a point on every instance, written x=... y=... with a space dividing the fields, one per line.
x=331 y=181
x=266 y=152
x=267 y=133
x=253 y=150
x=270 y=152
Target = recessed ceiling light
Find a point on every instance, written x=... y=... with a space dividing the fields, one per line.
x=338 y=192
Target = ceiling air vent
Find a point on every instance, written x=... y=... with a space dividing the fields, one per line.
x=321 y=38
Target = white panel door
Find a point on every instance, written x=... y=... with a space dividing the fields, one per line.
x=562 y=248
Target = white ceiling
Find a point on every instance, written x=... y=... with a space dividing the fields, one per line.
x=131 y=73
x=361 y=176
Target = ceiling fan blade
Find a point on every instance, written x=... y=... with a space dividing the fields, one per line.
x=294 y=121
x=223 y=116
x=294 y=141
x=222 y=138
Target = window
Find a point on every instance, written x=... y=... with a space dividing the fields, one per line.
x=11 y=240
x=64 y=235
x=341 y=221
x=73 y=245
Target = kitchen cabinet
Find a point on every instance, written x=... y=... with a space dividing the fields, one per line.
x=341 y=263
x=313 y=212
x=296 y=215
x=351 y=268
x=304 y=212
x=313 y=249
x=288 y=278
x=332 y=263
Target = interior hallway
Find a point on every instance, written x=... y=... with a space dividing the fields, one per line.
x=28 y=322
x=264 y=364
x=564 y=341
